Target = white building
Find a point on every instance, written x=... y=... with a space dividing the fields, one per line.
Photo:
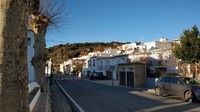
x=133 y=48
x=150 y=45
x=163 y=59
x=48 y=68
x=162 y=43
x=158 y=56
x=137 y=57
x=91 y=54
x=82 y=58
x=31 y=73
x=66 y=67
x=106 y=66
x=30 y=55
x=108 y=52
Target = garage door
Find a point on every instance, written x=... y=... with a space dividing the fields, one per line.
x=122 y=78
x=109 y=75
x=130 y=79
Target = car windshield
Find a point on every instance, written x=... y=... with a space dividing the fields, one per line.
x=190 y=81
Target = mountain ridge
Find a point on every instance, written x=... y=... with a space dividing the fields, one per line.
x=63 y=52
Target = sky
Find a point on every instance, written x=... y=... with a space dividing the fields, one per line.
x=125 y=20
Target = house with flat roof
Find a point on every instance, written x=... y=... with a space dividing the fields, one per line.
x=107 y=66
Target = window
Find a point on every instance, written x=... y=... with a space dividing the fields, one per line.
x=166 y=79
x=107 y=64
x=93 y=62
x=176 y=81
x=28 y=41
x=101 y=65
x=162 y=79
x=89 y=63
x=190 y=81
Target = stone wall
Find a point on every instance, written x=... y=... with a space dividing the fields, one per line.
x=140 y=75
x=139 y=72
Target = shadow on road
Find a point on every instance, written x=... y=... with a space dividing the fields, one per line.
x=94 y=97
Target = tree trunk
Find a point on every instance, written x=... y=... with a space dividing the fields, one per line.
x=13 y=56
x=40 y=57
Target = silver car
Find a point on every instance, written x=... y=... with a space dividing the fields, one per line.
x=185 y=87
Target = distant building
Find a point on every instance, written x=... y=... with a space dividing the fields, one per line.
x=48 y=69
x=132 y=48
x=69 y=66
x=161 y=62
x=106 y=66
x=66 y=67
x=158 y=58
x=163 y=44
x=108 y=52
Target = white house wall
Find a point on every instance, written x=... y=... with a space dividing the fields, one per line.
x=30 y=55
x=66 y=65
x=116 y=61
x=61 y=68
x=48 y=68
x=102 y=64
x=150 y=45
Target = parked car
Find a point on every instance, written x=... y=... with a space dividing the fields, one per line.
x=185 y=87
x=96 y=76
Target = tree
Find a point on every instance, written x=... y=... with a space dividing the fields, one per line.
x=47 y=15
x=78 y=67
x=13 y=56
x=188 y=50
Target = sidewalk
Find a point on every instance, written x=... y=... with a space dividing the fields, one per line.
x=43 y=103
x=40 y=105
x=52 y=101
x=58 y=102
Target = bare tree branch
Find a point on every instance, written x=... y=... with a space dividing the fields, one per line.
x=54 y=12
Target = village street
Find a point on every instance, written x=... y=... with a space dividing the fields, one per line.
x=94 y=97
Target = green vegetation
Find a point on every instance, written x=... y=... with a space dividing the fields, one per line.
x=78 y=65
x=60 y=53
x=188 y=50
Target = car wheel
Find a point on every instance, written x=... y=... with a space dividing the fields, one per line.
x=158 y=91
x=188 y=96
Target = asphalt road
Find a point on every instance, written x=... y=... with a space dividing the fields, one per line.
x=93 y=97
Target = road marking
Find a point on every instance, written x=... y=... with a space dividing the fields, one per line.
x=194 y=110
x=77 y=106
x=156 y=108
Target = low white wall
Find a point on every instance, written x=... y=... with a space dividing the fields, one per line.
x=31 y=86
x=34 y=101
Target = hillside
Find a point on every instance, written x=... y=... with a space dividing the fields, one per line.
x=60 y=53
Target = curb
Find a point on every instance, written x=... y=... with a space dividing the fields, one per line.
x=73 y=104
x=150 y=91
x=48 y=100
